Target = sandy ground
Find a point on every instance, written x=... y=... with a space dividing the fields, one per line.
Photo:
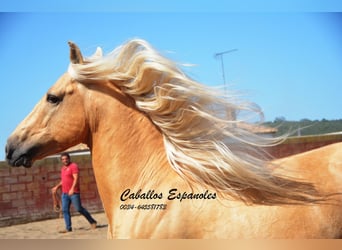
x=49 y=229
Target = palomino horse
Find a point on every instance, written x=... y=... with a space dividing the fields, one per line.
x=169 y=160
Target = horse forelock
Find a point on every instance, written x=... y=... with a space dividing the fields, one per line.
x=204 y=141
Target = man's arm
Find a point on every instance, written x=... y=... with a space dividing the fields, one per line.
x=55 y=188
x=71 y=191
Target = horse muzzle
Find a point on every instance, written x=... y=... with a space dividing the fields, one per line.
x=16 y=156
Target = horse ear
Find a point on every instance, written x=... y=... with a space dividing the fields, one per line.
x=98 y=52
x=75 y=54
x=97 y=55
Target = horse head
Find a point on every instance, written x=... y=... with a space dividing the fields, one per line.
x=56 y=123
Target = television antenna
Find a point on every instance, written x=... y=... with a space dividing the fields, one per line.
x=219 y=56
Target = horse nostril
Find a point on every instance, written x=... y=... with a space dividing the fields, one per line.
x=9 y=152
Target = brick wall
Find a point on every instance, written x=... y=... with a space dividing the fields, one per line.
x=25 y=193
x=295 y=145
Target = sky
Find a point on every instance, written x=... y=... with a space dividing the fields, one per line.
x=286 y=59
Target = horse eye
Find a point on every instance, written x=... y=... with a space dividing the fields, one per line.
x=53 y=99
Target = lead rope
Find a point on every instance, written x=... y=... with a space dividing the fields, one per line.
x=57 y=205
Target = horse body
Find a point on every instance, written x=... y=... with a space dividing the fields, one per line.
x=233 y=219
x=132 y=167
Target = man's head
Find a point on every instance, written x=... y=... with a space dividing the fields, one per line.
x=65 y=158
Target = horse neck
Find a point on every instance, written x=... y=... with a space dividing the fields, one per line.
x=126 y=146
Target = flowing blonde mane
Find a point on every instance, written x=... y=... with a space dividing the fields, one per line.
x=204 y=141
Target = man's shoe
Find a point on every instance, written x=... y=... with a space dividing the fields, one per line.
x=64 y=231
x=93 y=225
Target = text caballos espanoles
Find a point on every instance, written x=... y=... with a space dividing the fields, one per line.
x=173 y=194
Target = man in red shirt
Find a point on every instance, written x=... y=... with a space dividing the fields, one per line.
x=71 y=192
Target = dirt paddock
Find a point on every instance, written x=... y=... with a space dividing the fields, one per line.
x=49 y=229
